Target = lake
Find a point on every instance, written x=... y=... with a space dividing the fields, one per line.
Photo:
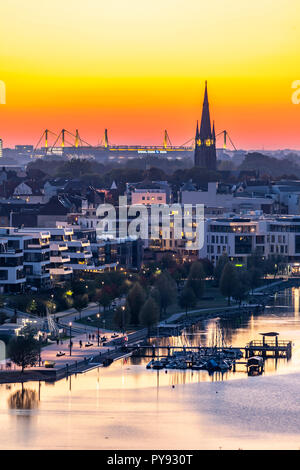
x=126 y=406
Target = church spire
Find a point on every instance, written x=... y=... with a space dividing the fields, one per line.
x=205 y=128
x=197 y=134
x=205 y=145
x=213 y=133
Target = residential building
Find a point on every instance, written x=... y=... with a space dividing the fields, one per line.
x=148 y=192
x=68 y=254
x=37 y=257
x=239 y=237
x=12 y=275
x=215 y=198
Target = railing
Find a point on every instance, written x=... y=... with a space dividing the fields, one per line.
x=271 y=344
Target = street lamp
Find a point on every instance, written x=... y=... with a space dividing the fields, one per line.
x=70 y=325
x=40 y=347
x=98 y=316
x=123 y=319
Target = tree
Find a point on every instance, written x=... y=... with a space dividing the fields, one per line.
x=80 y=302
x=254 y=276
x=155 y=294
x=168 y=262
x=79 y=287
x=241 y=287
x=122 y=317
x=32 y=307
x=228 y=281
x=136 y=299
x=149 y=314
x=196 y=279
x=179 y=273
x=274 y=264
x=166 y=287
x=222 y=261
x=208 y=267
x=187 y=299
x=255 y=260
x=24 y=351
x=103 y=297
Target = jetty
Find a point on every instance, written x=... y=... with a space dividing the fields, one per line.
x=215 y=358
x=269 y=347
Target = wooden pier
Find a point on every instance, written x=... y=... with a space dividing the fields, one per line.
x=269 y=348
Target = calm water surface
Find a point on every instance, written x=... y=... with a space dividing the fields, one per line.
x=126 y=406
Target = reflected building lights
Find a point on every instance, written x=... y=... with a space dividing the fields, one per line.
x=296 y=301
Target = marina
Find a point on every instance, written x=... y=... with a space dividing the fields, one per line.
x=221 y=359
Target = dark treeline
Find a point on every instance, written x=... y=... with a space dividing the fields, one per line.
x=175 y=172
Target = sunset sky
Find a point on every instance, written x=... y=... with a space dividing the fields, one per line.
x=138 y=67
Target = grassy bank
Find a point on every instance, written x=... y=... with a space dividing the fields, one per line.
x=212 y=300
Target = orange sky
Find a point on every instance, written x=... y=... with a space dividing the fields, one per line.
x=137 y=67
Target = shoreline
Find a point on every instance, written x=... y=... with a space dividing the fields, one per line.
x=97 y=359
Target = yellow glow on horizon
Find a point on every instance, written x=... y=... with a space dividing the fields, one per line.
x=138 y=67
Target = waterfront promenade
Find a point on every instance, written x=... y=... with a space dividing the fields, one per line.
x=81 y=358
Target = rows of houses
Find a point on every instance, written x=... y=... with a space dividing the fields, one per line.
x=47 y=238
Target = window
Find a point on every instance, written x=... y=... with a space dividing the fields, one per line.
x=3 y=275
x=243 y=244
x=297 y=244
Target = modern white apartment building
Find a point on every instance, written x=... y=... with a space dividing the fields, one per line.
x=25 y=259
x=80 y=253
x=238 y=237
x=60 y=269
x=37 y=257
x=12 y=276
x=74 y=254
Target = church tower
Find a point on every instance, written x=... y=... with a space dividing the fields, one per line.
x=205 y=140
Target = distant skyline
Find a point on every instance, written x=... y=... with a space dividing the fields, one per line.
x=137 y=68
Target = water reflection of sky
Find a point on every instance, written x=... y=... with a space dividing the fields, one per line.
x=126 y=406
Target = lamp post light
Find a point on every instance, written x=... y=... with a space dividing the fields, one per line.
x=70 y=325
x=123 y=319
x=98 y=317
x=40 y=348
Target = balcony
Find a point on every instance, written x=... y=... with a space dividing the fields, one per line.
x=62 y=271
x=60 y=259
